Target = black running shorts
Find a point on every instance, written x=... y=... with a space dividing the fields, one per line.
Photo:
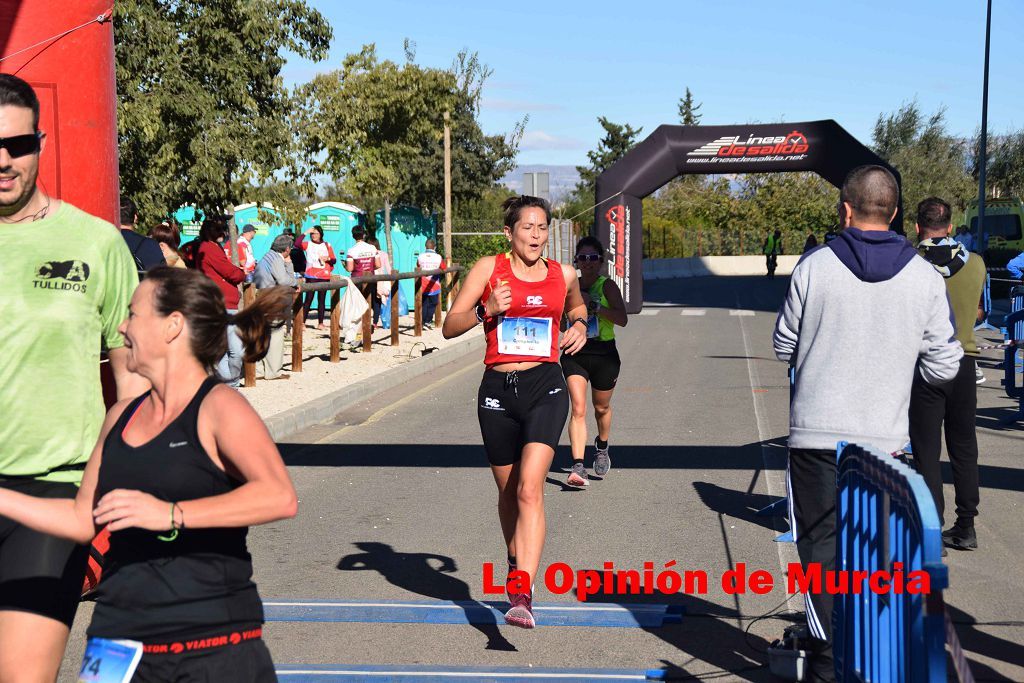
x=599 y=367
x=40 y=574
x=517 y=408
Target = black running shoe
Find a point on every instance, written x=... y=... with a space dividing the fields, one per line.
x=961 y=537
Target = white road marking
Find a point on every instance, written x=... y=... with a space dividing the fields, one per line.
x=692 y=311
x=741 y=311
x=774 y=464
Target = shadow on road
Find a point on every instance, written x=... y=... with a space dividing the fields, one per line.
x=417 y=573
x=745 y=457
x=708 y=633
x=979 y=642
x=739 y=505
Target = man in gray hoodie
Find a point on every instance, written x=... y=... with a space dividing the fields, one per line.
x=862 y=315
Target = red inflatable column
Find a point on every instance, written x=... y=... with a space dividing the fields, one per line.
x=65 y=50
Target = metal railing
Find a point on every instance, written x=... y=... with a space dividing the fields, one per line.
x=885 y=514
x=450 y=284
x=1014 y=326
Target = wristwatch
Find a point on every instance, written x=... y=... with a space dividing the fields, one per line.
x=481 y=312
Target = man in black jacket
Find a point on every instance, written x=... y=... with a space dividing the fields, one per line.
x=145 y=250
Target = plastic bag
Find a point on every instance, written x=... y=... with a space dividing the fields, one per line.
x=385 y=309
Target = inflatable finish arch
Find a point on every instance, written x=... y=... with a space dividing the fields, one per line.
x=65 y=50
x=823 y=147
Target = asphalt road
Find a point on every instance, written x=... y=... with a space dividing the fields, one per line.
x=397 y=504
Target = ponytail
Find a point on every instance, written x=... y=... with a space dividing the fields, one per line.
x=255 y=322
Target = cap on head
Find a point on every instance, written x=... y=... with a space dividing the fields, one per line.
x=248 y=228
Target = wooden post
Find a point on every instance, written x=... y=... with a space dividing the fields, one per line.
x=233 y=236
x=387 y=231
x=447 y=188
x=298 y=325
x=368 y=318
x=248 y=369
x=417 y=329
x=456 y=284
x=335 y=330
x=449 y=283
x=440 y=293
x=394 y=313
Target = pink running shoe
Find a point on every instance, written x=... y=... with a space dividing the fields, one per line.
x=521 y=614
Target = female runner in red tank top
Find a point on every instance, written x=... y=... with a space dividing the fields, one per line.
x=523 y=402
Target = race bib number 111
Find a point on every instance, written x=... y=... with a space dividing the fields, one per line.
x=110 y=661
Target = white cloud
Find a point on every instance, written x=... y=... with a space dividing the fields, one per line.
x=539 y=140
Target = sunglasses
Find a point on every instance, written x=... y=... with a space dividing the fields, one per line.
x=20 y=145
x=588 y=258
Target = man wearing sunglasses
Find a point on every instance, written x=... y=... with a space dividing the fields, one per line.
x=67 y=280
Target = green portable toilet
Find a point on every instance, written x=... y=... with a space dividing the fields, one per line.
x=336 y=219
x=265 y=232
x=190 y=219
x=410 y=230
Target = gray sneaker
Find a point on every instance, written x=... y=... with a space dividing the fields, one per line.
x=602 y=461
x=578 y=475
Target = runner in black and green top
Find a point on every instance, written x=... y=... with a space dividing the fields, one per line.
x=597 y=363
x=68 y=278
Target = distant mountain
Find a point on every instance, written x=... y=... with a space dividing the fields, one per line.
x=562 y=179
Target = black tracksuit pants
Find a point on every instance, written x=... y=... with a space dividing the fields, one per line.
x=951 y=406
x=812 y=500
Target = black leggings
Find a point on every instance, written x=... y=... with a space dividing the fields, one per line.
x=321 y=301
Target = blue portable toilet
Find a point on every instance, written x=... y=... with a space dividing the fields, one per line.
x=190 y=219
x=336 y=219
x=410 y=230
x=265 y=232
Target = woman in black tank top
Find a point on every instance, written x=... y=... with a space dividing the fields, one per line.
x=178 y=476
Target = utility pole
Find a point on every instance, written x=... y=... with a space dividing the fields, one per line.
x=447 y=189
x=983 y=147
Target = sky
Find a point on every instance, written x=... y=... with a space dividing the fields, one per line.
x=564 y=63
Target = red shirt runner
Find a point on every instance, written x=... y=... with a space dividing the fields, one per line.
x=528 y=330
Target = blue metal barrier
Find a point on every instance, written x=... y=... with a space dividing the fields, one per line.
x=1014 y=332
x=885 y=514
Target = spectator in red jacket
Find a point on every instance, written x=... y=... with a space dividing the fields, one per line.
x=208 y=257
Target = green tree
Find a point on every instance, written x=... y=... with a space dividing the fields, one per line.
x=378 y=126
x=688 y=115
x=930 y=160
x=203 y=116
x=1005 y=172
x=618 y=139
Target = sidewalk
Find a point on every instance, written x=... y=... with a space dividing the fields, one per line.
x=323 y=388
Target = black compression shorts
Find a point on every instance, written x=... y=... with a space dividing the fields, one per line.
x=517 y=408
x=40 y=574
x=599 y=367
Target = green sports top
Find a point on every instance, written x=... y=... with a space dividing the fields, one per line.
x=68 y=279
x=598 y=327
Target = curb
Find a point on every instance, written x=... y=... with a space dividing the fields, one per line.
x=324 y=408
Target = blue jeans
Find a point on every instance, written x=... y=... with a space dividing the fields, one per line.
x=230 y=366
x=429 y=305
